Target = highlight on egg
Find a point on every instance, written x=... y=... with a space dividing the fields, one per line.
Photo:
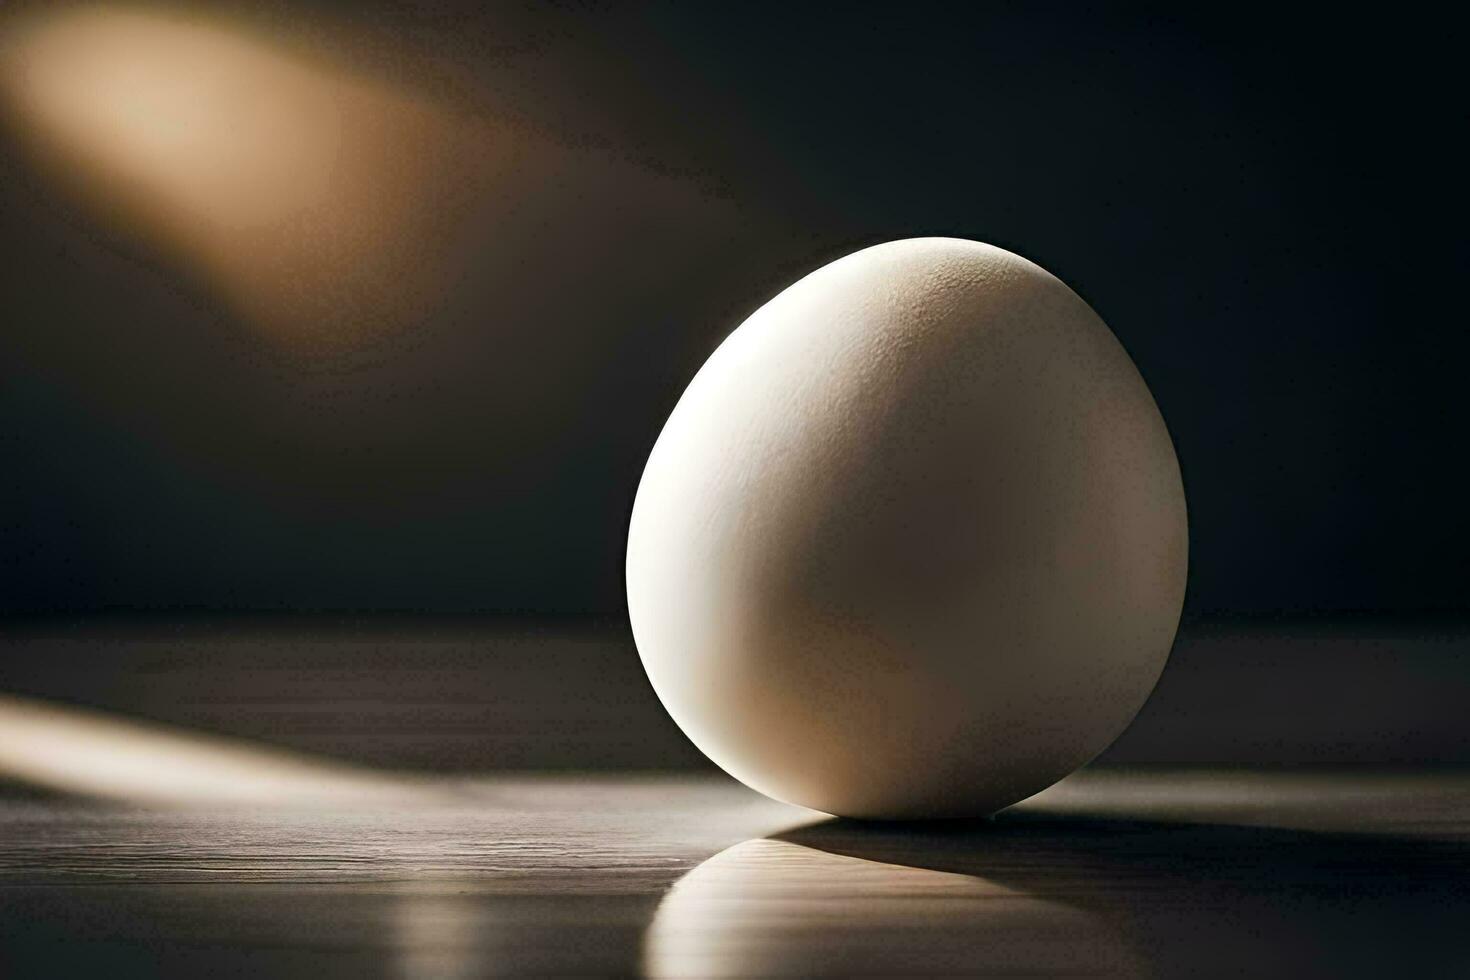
x=913 y=542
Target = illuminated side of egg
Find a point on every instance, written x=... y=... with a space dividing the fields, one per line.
x=913 y=542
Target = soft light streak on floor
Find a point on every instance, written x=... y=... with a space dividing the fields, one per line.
x=74 y=750
x=443 y=932
x=1343 y=800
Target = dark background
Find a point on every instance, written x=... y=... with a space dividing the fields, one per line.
x=391 y=532
x=1263 y=203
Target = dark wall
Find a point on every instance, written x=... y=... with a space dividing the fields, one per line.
x=1263 y=204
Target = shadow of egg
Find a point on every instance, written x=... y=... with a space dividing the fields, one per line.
x=1044 y=889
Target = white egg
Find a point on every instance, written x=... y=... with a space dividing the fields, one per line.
x=913 y=542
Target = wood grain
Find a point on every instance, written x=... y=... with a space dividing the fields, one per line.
x=1113 y=872
x=472 y=695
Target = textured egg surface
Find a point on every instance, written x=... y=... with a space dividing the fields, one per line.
x=913 y=541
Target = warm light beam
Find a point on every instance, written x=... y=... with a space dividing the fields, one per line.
x=306 y=193
x=74 y=750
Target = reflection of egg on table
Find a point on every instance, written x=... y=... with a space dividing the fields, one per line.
x=913 y=541
x=771 y=908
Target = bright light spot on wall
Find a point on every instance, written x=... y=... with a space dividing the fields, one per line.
x=308 y=194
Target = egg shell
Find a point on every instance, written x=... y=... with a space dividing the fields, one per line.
x=913 y=542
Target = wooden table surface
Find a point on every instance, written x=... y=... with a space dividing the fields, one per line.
x=1114 y=872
